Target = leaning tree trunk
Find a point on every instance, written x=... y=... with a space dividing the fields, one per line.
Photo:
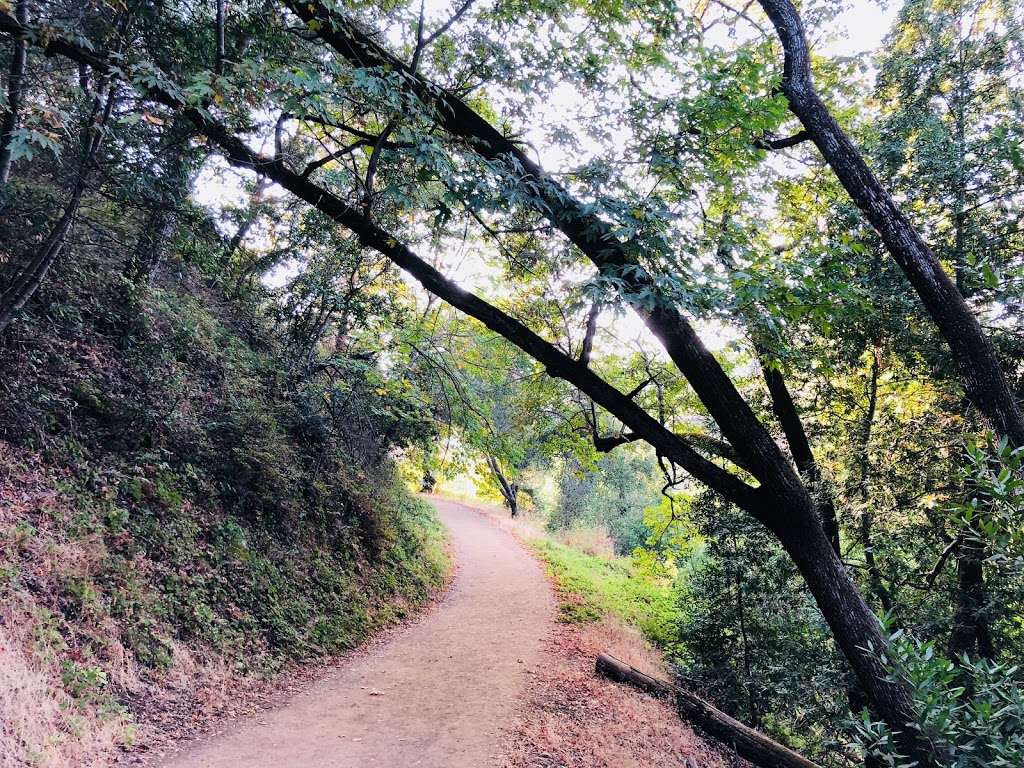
x=972 y=350
x=509 y=490
x=15 y=96
x=875 y=580
x=749 y=744
x=854 y=626
x=27 y=281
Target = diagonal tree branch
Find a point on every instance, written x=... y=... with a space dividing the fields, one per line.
x=556 y=362
x=593 y=235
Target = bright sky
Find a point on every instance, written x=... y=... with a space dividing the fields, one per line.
x=858 y=29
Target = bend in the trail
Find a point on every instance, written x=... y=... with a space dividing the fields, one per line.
x=436 y=694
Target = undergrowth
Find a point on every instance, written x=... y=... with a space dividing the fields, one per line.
x=179 y=510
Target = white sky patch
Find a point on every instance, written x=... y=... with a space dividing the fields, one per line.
x=218 y=186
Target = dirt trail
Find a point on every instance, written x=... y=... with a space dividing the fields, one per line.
x=436 y=694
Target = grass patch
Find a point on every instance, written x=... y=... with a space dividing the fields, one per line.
x=591 y=587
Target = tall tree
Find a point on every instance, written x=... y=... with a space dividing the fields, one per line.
x=15 y=96
x=972 y=350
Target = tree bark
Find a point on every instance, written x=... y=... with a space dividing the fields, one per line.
x=741 y=610
x=221 y=48
x=796 y=438
x=875 y=581
x=749 y=744
x=972 y=350
x=252 y=215
x=12 y=116
x=784 y=407
x=971 y=632
x=162 y=219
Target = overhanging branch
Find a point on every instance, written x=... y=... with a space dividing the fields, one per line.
x=594 y=236
x=369 y=234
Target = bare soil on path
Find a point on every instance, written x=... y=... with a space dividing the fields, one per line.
x=437 y=694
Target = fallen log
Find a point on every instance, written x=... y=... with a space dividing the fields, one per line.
x=749 y=744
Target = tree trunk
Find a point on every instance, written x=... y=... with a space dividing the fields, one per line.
x=875 y=581
x=509 y=490
x=252 y=215
x=748 y=681
x=796 y=437
x=27 y=281
x=972 y=350
x=856 y=631
x=783 y=406
x=14 y=98
x=971 y=632
x=221 y=49
x=162 y=219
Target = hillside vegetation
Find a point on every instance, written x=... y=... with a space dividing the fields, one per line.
x=178 y=513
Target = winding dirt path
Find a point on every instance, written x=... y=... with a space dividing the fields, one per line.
x=435 y=695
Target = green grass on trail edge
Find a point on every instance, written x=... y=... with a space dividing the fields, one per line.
x=592 y=587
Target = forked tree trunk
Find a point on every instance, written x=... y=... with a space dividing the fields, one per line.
x=509 y=490
x=27 y=281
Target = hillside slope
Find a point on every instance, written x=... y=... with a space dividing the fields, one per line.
x=183 y=506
